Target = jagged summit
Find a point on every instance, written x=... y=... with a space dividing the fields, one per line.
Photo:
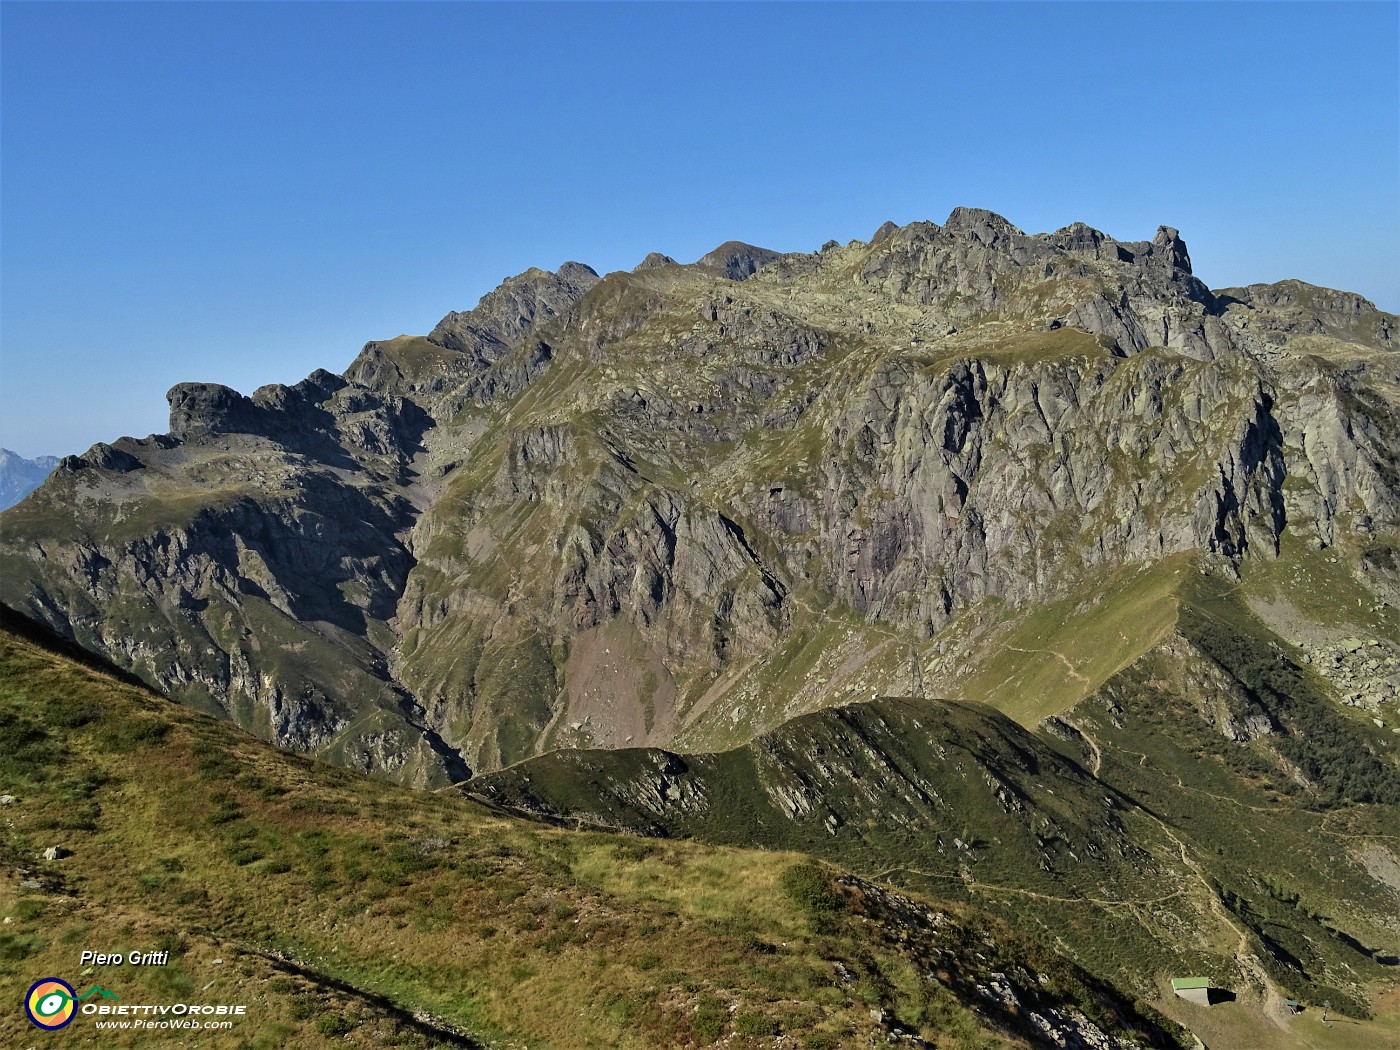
x=986 y=228
x=1288 y=309
x=653 y=260
x=884 y=232
x=507 y=312
x=981 y=225
x=737 y=260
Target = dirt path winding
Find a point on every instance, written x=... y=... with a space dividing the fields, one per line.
x=1069 y=667
x=1275 y=1006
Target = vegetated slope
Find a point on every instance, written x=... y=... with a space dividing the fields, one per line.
x=681 y=506
x=1208 y=809
x=888 y=782
x=343 y=910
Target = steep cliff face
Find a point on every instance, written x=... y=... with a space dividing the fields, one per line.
x=679 y=506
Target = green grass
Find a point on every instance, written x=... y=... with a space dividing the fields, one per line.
x=1321 y=585
x=1338 y=753
x=1281 y=857
x=337 y=906
x=1186 y=843
x=1059 y=652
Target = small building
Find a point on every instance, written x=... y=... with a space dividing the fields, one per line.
x=1192 y=989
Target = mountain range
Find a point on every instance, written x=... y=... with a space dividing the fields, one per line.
x=1021 y=568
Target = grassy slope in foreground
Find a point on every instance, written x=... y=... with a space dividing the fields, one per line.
x=1265 y=863
x=342 y=910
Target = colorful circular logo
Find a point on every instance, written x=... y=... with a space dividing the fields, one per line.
x=50 y=1003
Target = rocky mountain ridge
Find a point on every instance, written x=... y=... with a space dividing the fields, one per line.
x=682 y=505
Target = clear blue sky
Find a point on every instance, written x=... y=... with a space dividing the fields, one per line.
x=242 y=193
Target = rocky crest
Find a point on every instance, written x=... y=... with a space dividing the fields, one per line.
x=679 y=506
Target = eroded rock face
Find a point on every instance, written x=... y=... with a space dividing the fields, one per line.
x=1133 y=294
x=206 y=409
x=686 y=503
x=1290 y=309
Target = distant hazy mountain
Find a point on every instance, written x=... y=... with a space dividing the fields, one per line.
x=19 y=476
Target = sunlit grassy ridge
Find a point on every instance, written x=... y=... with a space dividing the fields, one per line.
x=1041 y=662
x=341 y=909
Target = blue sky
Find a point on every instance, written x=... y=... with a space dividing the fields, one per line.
x=242 y=193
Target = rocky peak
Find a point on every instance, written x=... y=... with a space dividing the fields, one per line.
x=1169 y=244
x=979 y=224
x=1290 y=308
x=461 y=359
x=914 y=233
x=507 y=314
x=312 y=390
x=653 y=260
x=737 y=260
x=200 y=410
x=578 y=274
x=980 y=265
x=1078 y=237
x=1301 y=295
x=115 y=458
x=887 y=228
